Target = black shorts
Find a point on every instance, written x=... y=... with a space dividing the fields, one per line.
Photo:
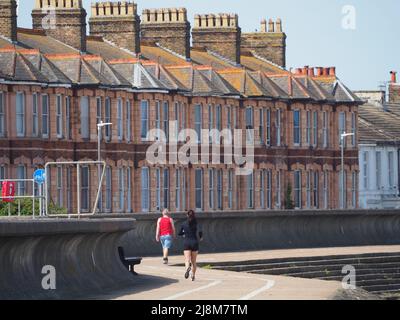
x=191 y=245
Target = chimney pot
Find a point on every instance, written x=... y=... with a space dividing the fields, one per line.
x=332 y=71
x=311 y=72
x=394 y=76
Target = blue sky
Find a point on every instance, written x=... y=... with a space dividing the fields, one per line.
x=364 y=56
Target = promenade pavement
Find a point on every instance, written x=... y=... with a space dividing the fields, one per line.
x=160 y=282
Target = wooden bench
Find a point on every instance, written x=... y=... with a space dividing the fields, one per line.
x=129 y=262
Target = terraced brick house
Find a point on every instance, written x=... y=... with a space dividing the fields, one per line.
x=140 y=72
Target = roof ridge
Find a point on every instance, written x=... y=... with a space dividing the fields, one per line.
x=172 y=52
x=268 y=61
x=121 y=48
x=225 y=59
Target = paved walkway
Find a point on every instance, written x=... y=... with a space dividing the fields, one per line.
x=159 y=282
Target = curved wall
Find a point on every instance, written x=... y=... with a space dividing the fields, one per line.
x=239 y=231
x=83 y=252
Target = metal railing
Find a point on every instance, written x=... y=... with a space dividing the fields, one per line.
x=78 y=165
x=19 y=197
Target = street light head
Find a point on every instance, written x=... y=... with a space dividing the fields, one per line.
x=102 y=124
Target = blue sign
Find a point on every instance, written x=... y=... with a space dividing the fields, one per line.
x=39 y=176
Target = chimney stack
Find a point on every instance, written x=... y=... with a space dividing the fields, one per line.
x=62 y=20
x=8 y=19
x=169 y=27
x=393 y=76
x=269 y=43
x=219 y=33
x=263 y=25
x=117 y=22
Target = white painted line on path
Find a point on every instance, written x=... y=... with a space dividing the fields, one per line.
x=184 y=293
x=269 y=285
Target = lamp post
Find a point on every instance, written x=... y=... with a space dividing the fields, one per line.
x=342 y=194
x=100 y=127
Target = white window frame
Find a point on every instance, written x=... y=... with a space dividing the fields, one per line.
x=297 y=188
x=177 y=107
x=230 y=188
x=2 y=114
x=20 y=114
x=158 y=189
x=308 y=127
x=296 y=129
x=268 y=127
x=68 y=117
x=165 y=115
x=120 y=122
x=59 y=116
x=354 y=184
x=59 y=182
x=250 y=190
x=108 y=190
x=144 y=119
x=35 y=115
x=108 y=118
x=308 y=189
x=69 y=188
x=211 y=124
x=99 y=114
x=45 y=115
x=158 y=119
x=85 y=117
x=268 y=181
x=315 y=189
x=326 y=189
x=354 y=129
x=166 y=188
x=85 y=189
x=211 y=190
x=121 y=189
x=128 y=116
x=365 y=163
x=199 y=192
x=378 y=169
x=198 y=123
x=220 y=182
x=249 y=125
x=278 y=121
x=325 y=129
x=262 y=189
x=342 y=127
x=178 y=194
x=145 y=189
x=128 y=190
x=315 y=128
x=391 y=180
x=21 y=175
x=278 y=190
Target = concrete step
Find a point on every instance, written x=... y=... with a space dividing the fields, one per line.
x=363 y=277
x=298 y=260
x=373 y=261
x=325 y=273
x=384 y=288
x=336 y=269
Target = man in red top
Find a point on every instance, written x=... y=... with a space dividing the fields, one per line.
x=165 y=233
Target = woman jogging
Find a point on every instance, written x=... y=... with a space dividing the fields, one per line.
x=189 y=231
x=165 y=233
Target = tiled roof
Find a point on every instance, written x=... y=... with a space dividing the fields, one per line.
x=40 y=58
x=107 y=50
x=251 y=62
x=45 y=44
x=378 y=124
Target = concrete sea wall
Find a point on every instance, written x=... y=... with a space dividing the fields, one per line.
x=240 y=231
x=83 y=253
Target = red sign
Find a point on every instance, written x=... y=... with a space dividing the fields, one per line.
x=8 y=191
